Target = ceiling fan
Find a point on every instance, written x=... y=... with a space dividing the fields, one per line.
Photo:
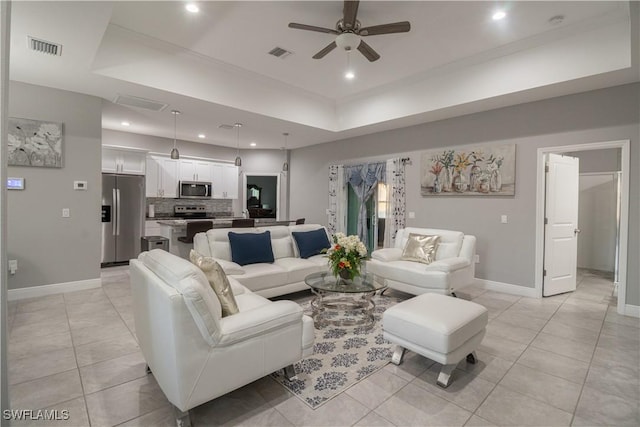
x=349 y=32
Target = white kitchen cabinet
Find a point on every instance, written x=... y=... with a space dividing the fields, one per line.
x=195 y=170
x=225 y=181
x=123 y=161
x=162 y=177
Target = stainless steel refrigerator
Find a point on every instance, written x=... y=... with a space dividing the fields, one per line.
x=123 y=208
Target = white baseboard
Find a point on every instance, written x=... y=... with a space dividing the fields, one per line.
x=632 y=310
x=506 y=288
x=55 y=288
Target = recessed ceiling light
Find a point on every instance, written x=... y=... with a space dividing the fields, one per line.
x=253 y=144
x=202 y=136
x=125 y=123
x=192 y=7
x=349 y=75
x=500 y=14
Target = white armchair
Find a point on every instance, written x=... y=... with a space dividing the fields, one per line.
x=453 y=268
x=194 y=353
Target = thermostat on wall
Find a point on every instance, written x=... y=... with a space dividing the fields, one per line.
x=79 y=185
x=15 y=183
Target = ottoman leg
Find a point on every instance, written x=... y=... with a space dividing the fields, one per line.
x=445 y=375
x=397 y=355
x=472 y=358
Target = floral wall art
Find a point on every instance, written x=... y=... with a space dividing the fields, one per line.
x=484 y=170
x=34 y=143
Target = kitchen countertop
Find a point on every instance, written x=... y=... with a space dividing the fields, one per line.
x=217 y=222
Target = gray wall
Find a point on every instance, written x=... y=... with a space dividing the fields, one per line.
x=607 y=160
x=597 y=222
x=51 y=249
x=507 y=251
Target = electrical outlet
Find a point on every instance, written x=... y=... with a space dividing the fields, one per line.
x=477 y=259
x=412 y=215
x=504 y=219
x=66 y=213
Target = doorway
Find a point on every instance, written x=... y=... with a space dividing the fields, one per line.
x=376 y=207
x=623 y=146
x=261 y=195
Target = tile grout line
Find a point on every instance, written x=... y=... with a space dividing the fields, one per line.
x=75 y=355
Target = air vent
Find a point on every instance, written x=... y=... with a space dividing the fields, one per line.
x=44 y=46
x=227 y=127
x=134 y=101
x=279 y=52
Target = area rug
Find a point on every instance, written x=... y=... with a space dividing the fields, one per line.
x=342 y=357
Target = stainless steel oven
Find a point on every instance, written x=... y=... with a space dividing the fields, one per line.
x=195 y=190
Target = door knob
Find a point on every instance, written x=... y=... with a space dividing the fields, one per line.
x=576 y=231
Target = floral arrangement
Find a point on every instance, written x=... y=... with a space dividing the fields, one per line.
x=346 y=255
x=461 y=162
x=436 y=169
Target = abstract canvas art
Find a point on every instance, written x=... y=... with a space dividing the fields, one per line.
x=483 y=170
x=34 y=143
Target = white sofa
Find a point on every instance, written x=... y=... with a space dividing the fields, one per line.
x=453 y=268
x=285 y=275
x=194 y=353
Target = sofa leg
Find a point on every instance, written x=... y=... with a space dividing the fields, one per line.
x=182 y=417
x=147 y=369
x=290 y=373
x=398 y=354
x=444 y=377
x=472 y=358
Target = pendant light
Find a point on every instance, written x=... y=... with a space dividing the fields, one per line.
x=175 y=154
x=238 y=159
x=285 y=165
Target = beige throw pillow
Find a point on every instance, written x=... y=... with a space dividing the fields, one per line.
x=421 y=248
x=218 y=281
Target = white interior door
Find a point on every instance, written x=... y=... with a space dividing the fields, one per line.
x=561 y=229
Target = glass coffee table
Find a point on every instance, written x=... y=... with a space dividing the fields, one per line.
x=342 y=303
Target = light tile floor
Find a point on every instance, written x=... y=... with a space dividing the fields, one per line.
x=568 y=359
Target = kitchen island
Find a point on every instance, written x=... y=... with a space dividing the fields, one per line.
x=172 y=228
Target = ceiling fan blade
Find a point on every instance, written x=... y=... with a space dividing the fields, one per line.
x=324 y=51
x=350 y=11
x=396 y=27
x=368 y=51
x=312 y=28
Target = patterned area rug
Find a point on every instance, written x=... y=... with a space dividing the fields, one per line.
x=342 y=357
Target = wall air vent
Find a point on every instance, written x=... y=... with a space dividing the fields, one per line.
x=44 y=46
x=227 y=127
x=134 y=101
x=279 y=52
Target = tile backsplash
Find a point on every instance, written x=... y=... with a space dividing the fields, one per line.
x=164 y=207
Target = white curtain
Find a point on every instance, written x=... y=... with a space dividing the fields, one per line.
x=396 y=207
x=337 y=221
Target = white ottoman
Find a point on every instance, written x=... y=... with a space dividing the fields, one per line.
x=439 y=327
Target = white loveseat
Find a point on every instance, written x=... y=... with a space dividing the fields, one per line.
x=194 y=353
x=453 y=268
x=285 y=275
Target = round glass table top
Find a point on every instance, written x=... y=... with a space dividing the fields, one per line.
x=326 y=281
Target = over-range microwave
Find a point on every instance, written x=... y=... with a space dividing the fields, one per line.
x=195 y=190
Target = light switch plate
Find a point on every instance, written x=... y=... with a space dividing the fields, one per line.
x=412 y=215
x=504 y=219
x=79 y=185
x=66 y=213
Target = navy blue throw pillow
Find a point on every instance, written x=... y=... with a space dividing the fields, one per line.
x=250 y=248
x=311 y=243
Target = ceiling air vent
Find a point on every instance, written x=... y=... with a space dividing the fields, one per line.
x=134 y=101
x=279 y=52
x=44 y=46
x=227 y=127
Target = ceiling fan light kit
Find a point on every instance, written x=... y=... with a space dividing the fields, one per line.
x=349 y=32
